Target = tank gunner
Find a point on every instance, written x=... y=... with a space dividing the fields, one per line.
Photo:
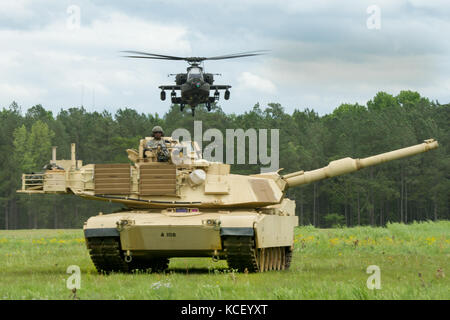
x=158 y=145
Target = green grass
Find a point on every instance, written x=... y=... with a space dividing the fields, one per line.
x=327 y=264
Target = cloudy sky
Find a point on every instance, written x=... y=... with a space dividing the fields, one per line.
x=63 y=54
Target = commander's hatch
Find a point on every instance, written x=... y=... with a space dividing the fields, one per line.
x=181 y=153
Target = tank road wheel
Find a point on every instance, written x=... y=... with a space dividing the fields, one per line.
x=242 y=255
x=279 y=257
x=266 y=260
x=261 y=259
x=275 y=258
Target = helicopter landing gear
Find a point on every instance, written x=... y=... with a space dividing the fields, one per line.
x=227 y=95
x=208 y=106
x=193 y=110
x=163 y=95
x=176 y=100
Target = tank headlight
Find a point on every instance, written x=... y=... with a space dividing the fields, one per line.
x=211 y=222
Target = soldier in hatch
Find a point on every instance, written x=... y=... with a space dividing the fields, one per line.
x=158 y=145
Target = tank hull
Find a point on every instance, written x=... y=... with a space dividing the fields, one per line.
x=241 y=236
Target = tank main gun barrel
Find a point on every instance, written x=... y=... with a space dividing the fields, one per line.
x=347 y=165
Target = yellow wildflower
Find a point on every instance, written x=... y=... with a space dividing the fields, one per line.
x=334 y=241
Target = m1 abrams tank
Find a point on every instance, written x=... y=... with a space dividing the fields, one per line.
x=186 y=206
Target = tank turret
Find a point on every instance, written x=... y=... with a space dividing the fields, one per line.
x=180 y=205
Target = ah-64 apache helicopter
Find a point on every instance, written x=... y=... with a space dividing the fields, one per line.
x=195 y=84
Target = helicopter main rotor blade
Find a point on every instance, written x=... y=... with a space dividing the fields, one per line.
x=141 y=57
x=153 y=55
x=238 y=55
x=146 y=55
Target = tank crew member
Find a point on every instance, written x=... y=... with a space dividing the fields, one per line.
x=158 y=145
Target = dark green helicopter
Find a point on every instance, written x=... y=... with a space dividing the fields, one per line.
x=195 y=85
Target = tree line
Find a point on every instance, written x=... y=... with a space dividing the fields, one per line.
x=415 y=188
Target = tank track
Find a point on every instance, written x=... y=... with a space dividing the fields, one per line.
x=242 y=255
x=107 y=256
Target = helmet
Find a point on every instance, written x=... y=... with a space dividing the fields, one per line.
x=157 y=129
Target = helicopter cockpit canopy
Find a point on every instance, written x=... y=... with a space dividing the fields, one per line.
x=194 y=73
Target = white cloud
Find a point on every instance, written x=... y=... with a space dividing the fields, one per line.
x=257 y=83
x=23 y=92
x=17 y=9
x=55 y=66
x=322 y=53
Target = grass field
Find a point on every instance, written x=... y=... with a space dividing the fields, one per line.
x=327 y=264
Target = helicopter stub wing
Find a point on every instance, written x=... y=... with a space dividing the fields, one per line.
x=219 y=87
x=170 y=87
